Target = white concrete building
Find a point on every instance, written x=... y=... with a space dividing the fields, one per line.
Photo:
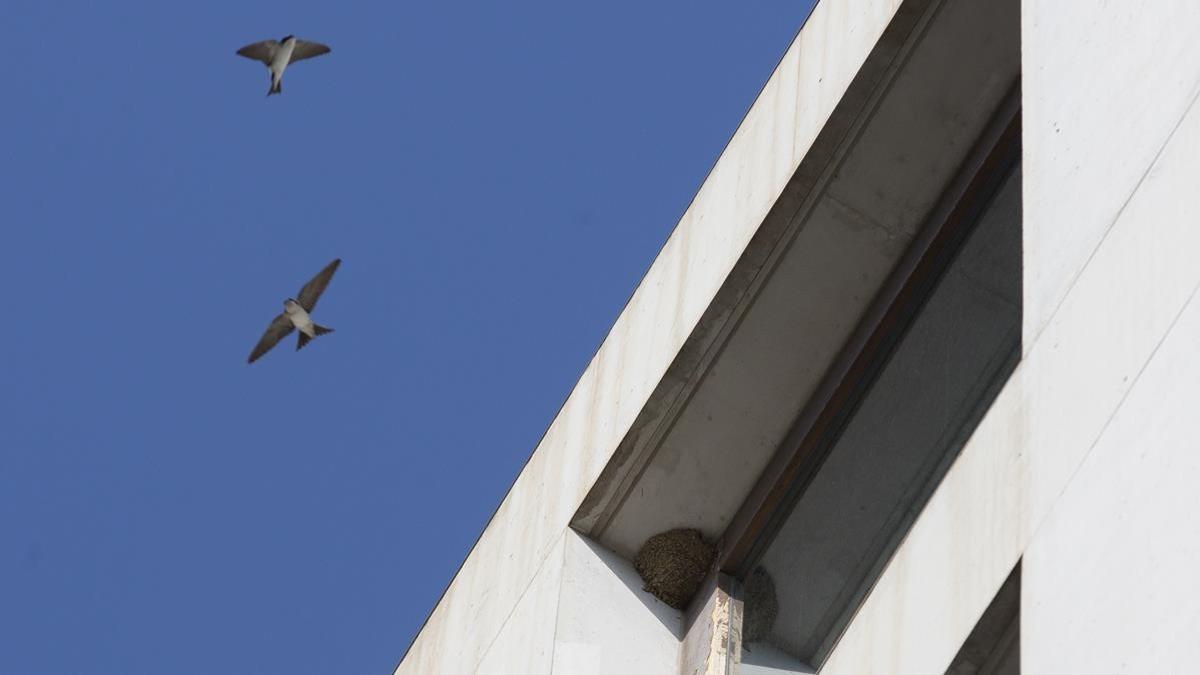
x=919 y=361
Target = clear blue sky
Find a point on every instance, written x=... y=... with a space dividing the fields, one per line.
x=496 y=181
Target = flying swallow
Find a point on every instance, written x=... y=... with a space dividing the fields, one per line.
x=279 y=54
x=296 y=315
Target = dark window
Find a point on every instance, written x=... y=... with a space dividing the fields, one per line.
x=994 y=646
x=917 y=397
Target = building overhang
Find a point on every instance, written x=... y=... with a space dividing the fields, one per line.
x=825 y=263
x=793 y=238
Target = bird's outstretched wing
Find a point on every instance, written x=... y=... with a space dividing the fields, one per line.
x=280 y=327
x=306 y=50
x=312 y=290
x=261 y=51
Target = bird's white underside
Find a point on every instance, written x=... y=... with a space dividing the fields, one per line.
x=300 y=319
x=282 y=58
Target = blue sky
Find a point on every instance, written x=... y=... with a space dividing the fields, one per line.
x=496 y=180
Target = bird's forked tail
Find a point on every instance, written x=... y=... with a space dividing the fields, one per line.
x=304 y=339
x=276 y=85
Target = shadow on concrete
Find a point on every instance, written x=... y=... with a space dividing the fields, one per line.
x=623 y=571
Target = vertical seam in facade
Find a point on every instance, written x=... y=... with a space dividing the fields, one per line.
x=562 y=580
x=507 y=617
x=1117 y=217
x=1116 y=409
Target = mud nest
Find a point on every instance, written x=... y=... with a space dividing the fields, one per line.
x=673 y=565
x=761 y=606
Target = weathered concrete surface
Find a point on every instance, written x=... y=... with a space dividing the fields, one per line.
x=606 y=623
x=1112 y=583
x=1110 y=575
x=1105 y=85
x=526 y=642
x=1121 y=306
x=712 y=643
x=584 y=613
x=697 y=259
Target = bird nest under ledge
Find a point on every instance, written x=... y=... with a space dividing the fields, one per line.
x=673 y=564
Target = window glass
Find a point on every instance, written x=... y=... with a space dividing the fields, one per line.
x=916 y=415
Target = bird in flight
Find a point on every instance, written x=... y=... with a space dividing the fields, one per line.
x=278 y=54
x=296 y=315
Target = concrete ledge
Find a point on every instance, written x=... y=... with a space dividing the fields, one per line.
x=829 y=253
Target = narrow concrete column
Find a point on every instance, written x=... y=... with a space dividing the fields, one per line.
x=712 y=641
